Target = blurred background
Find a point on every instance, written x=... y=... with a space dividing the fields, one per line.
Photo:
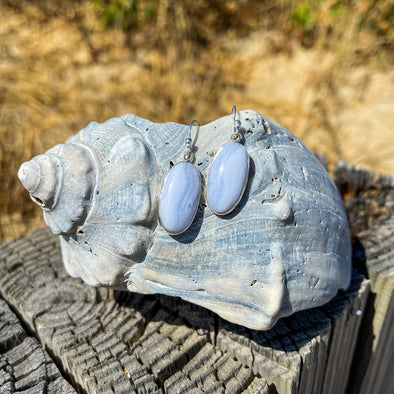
x=323 y=69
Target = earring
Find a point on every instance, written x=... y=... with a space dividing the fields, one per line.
x=228 y=174
x=181 y=192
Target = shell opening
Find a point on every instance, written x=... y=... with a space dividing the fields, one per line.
x=38 y=201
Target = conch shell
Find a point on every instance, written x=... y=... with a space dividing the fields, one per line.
x=284 y=248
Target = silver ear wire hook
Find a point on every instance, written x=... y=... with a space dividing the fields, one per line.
x=236 y=125
x=188 y=156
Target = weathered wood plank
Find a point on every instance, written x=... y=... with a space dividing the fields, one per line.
x=108 y=341
x=370 y=206
x=11 y=331
x=103 y=339
x=24 y=365
x=115 y=341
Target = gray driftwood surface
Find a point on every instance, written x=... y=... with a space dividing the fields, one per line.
x=60 y=335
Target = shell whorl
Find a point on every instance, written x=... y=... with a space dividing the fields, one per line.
x=61 y=182
x=41 y=177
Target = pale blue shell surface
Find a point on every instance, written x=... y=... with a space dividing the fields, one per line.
x=285 y=247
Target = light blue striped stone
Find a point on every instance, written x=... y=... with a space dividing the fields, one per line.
x=180 y=197
x=227 y=178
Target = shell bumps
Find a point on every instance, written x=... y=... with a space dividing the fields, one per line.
x=284 y=248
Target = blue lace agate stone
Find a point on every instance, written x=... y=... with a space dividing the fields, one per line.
x=227 y=178
x=180 y=198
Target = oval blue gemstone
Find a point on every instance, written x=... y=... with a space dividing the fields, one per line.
x=179 y=198
x=227 y=178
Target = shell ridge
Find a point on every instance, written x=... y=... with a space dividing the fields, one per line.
x=129 y=190
x=102 y=137
x=89 y=128
x=75 y=188
x=178 y=292
x=158 y=136
x=97 y=177
x=60 y=174
x=92 y=268
x=51 y=223
x=253 y=315
x=131 y=120
x=136 y=233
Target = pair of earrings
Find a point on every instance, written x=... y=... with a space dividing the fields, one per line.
x=227 y=180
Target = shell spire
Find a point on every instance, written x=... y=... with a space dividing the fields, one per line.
x=41 y=177
x=61 y=182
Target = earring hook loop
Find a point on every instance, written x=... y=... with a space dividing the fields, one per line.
x=236 y=125
x=188 y=156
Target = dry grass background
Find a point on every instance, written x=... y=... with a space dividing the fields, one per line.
x=324 y=69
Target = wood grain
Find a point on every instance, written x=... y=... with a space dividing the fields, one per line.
x=370 y=206
x=24 y=365
x=106 y=341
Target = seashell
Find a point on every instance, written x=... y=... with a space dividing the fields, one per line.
x=284 y=248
